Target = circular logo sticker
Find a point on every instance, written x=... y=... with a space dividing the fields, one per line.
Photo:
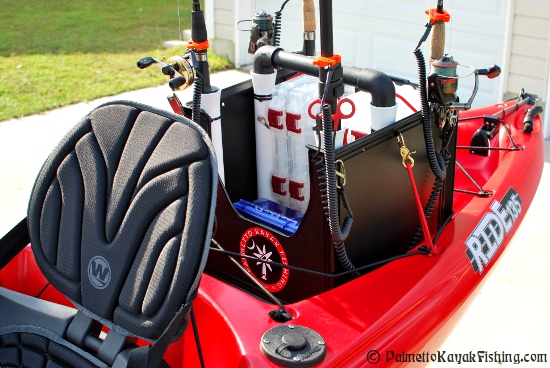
x=99 y=272
x=262 y=244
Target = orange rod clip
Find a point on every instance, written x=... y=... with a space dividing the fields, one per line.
x=323 y=61
x=198 y=46
x=434 y=15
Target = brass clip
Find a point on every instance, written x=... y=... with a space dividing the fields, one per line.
x=405 y=153
x=341 y=174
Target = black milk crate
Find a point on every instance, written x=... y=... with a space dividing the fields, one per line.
x=377 y=187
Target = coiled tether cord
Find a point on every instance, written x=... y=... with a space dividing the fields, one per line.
x=434 y=249
x=408 y=163
x=197 y=92
x=329 y=191
x=436 y=190
x=437 y=163
x=277 y=25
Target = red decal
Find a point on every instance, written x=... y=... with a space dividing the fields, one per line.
x=263 y=245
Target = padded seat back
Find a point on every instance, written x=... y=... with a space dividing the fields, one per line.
x=121 y=215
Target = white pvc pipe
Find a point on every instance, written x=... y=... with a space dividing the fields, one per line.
x=263 y=86
x=210 y=103
x=381 y=117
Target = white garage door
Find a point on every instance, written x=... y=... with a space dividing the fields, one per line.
x=381 y=34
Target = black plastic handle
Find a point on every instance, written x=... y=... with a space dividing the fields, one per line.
x=491 y=72
x=529 y=117
x=145 y=62
x=167 y=70
x=177 y=82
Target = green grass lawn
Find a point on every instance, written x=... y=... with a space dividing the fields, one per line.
x=54 y=53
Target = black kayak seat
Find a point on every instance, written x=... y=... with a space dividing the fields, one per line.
x=120 y=220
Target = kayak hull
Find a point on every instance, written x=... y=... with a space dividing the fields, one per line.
x=407 y=306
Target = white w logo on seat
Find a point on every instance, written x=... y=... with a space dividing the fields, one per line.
x=99 y=272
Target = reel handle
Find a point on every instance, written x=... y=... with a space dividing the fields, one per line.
x=145 y=62
x=167 y=70
x=491 y=72
x=177 y=83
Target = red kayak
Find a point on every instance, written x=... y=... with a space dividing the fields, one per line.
x=397 y=228
x=403 y=306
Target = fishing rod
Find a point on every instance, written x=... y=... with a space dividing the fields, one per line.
x=332 y=77
x=331 y=88
x=439 y=100
x=437 y=42
x=266 y=32
x=210 y=97
x=310 y=25
x=193 y=69
x=443 y=80
x=438 y=90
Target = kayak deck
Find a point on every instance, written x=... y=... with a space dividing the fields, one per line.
x=399 y=307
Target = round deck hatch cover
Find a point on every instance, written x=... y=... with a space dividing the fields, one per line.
x=293 y=346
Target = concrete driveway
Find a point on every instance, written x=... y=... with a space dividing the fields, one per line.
x=25 y=143
x=511 y=314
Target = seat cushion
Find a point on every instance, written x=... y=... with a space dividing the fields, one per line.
x=26 y=349
x=121 y=214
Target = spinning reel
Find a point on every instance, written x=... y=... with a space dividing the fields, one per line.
x=443 y=79
x=179 y=70
x=443 y=85
x=262 y=32
x=266 y=30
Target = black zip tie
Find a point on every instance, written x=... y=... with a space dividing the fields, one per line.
x=262 y=98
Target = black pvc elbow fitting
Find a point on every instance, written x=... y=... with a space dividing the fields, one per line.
x=262 y=60
x=378 y=84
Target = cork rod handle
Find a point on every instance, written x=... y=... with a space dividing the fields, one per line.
x=437 y=42
x=308 y=8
